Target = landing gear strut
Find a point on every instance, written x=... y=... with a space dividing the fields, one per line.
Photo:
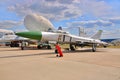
x=72 y=47
x=94 y=47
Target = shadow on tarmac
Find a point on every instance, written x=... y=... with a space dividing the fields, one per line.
x=26 y=55
x=38 y=54
x=22 y=50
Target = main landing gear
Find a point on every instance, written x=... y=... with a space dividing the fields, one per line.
x=94 y=47
x=72 y=48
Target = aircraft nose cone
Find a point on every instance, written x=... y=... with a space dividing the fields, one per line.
x=30 y=34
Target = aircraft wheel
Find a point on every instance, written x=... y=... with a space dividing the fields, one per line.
x=72 y=48
x=49 y=47
x=22 y=48
x=39 y=47
x=105 y=46
x=93 y=47
x=93 y=50
x=56 y=51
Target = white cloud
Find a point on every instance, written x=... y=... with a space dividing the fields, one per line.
x=91 y=23
x=95 y=7
x=52 y=9
x=55 y=10
x=9 y=24
x=115 y=20
x=60 y=9
x=111 y=34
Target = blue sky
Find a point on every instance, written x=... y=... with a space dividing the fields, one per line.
x=93 y=15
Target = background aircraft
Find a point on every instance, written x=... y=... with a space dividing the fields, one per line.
x=9 y=38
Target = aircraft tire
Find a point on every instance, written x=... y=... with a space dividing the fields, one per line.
x=49 y=47
x=39 y=47
x=72 y=48
x=56 y=51
x=22 y=48
x=94 y=48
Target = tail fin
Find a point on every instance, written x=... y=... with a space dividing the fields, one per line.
x=97 y=35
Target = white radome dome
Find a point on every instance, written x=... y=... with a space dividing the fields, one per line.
x=34 y=22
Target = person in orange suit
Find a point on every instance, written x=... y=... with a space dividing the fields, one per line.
x=58 y=50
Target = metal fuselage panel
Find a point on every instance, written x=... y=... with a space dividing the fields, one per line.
x=66 y=38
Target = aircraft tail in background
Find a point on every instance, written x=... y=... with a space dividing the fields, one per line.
x=97 y=35
x=82 y=32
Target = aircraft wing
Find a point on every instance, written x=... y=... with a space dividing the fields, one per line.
x=92 y=41
x=20 y=38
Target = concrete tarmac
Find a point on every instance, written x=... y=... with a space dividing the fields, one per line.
x=16 y=64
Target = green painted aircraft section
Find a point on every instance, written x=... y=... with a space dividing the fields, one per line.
x=32 y=34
